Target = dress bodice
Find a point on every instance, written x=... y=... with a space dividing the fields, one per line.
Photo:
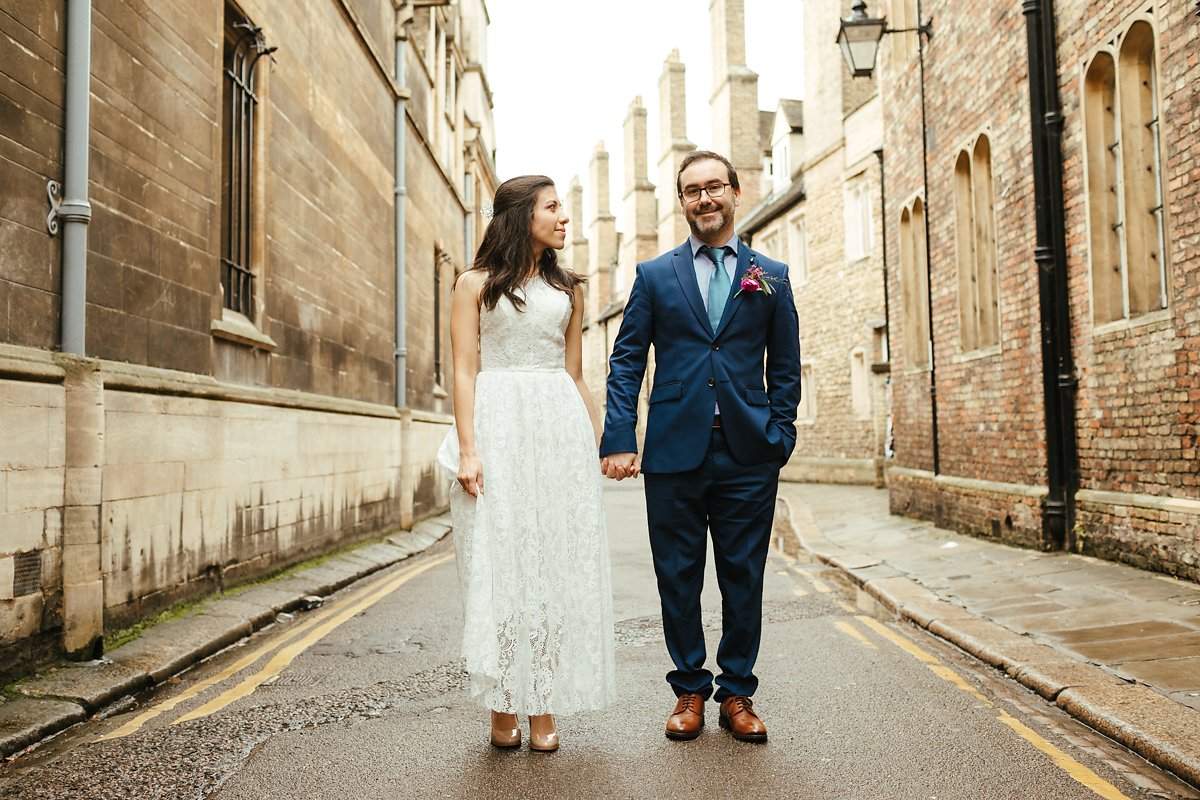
x=533 y=338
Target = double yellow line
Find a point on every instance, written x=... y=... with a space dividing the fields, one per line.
x=301 y=637
x=1063 y=761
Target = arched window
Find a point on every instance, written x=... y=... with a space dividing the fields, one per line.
x=1104 y=196
x=975 y=236
x=914 y=286
x=1124 y=172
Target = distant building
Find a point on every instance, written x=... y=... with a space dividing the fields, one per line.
x=230 y=401
x=831 y=243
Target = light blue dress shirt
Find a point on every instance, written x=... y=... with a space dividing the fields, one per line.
x=705 y=270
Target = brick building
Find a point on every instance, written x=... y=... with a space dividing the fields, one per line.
x=1098 y=452
x=231 y=350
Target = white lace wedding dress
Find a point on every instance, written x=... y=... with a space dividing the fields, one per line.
x=533 y=549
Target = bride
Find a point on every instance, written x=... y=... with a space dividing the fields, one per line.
x=529 y=525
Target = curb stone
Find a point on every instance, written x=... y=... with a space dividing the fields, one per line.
x=50 y=704
x=1158 y=729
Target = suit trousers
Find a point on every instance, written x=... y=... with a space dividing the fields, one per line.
x=736 y=503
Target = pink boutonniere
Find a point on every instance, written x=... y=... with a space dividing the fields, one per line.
x=755 y=281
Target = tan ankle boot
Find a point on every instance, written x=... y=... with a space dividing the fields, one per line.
x=506 y=731
x=543 y=735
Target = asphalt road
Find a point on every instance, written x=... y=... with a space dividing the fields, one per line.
x=365 y=698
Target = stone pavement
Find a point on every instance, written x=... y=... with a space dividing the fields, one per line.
x=1114 y=646
x=50 y=703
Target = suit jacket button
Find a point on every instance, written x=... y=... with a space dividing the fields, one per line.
x=711 y=383
x=716 y=347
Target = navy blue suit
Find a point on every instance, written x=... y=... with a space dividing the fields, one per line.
x=700 y=478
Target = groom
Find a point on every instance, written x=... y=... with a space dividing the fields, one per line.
x=715 y=312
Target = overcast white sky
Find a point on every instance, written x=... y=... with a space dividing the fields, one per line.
x=563 y=75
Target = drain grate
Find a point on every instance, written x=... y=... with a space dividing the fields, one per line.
x=27 y=573
x=291 y=679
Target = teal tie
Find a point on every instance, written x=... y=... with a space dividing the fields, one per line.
x=718 y=286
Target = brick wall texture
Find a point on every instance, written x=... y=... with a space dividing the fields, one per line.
x=1138 y=398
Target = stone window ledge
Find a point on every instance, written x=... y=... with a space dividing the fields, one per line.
x=235 y=327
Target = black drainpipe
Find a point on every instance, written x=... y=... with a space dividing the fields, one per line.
x=887 y=313
x=1058 y=368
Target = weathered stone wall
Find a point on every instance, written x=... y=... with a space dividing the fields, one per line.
x=176 y=456
x=32 y=475
x=190 y=495
x=31 y=144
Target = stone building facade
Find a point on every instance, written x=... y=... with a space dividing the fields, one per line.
x=234 y=404
x=652 y=213
x=821 y=214
x=1126 y=77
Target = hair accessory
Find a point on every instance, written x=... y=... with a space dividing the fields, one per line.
x=487 y=210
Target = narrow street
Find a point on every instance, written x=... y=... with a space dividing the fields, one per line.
x=364 y=698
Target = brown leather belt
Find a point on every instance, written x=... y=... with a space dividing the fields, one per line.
x=716 y=420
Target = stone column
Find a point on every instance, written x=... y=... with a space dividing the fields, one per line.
x=602 y=238
x=734 y=101
x=672 y=227
x=575 y=254
x=85 y=554
x=640 y=241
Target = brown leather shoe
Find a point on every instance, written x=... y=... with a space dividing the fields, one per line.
x=738 y=717
x=687 y=719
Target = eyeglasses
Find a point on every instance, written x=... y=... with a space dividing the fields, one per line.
x=713 y=190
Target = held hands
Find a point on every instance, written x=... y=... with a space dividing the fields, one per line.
x=619 y=466
x=470 y=475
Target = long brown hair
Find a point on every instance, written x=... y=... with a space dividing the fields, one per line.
x=507 y=248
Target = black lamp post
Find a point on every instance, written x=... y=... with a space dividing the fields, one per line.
x=859 y=36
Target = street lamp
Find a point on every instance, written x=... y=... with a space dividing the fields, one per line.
x=859 y=36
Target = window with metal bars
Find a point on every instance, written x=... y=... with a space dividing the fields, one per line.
x=244 y=48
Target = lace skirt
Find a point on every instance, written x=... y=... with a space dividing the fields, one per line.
x=533 y=550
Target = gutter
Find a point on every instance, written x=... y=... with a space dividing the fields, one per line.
x=1058 y=368
x=403 y=17
x=75 y=210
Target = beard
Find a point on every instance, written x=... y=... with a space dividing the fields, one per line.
x=710 y=223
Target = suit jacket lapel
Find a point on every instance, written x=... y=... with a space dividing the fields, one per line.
x=732 y=305
x=685 y=272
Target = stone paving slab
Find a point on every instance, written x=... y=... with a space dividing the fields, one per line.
x=1160 y=730
x=1167 y=675
x=1114 y=646
x=1149 y=648
x=91 y=686
x=24 y=722
x=173 y=646
x=57 y=700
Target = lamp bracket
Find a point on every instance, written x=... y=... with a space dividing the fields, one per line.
x=926 y=28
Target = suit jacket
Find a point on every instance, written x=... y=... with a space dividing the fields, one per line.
x=755 y=343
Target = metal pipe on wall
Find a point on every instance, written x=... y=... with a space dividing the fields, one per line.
x=403 y=16
x=75 y=211
x=1058 y=369
x=887 y=308
x=933 y=407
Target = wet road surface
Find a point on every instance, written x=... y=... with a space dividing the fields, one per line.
x=365 y=698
